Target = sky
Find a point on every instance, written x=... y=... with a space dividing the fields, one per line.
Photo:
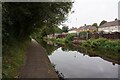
x=92 y=11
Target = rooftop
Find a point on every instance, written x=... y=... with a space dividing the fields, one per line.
x=112 y=23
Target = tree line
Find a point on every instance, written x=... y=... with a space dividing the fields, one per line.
x=20 y=20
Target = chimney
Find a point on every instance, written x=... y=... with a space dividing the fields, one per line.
x=84 y=24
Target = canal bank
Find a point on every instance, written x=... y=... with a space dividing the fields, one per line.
x=75 y=64
x=71 y=61
x=37 y=63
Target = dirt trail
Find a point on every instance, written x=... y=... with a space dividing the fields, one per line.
x=37 y=64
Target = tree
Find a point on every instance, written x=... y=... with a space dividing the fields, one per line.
x=20 y=20
x=57 y=29
x=103 y=22
x=96 y=25
x=65 y=29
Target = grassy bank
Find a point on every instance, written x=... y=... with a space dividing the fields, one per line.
x=68 y=39
x=59 y=40
x=13 y=58
x=108 y=55
x=101 y=43
x=98 y=50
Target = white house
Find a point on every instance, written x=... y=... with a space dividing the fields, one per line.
x=72 y=31
x=113 y=26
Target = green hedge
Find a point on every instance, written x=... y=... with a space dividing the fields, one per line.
x=69 y=37
x=101 y=43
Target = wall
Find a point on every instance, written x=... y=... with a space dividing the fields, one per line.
x=109 y=29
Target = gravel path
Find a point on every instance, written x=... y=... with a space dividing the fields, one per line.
x=37 y=63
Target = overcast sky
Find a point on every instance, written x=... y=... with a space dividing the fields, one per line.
x=92 y=11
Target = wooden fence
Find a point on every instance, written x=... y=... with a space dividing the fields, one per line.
x=88 y=35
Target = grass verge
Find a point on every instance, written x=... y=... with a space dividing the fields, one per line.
x=13 y=59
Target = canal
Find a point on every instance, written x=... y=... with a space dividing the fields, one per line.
x=75 y=62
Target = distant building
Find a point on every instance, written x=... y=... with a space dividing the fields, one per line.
x=73 y=30
x=113 y=26
x=57 y=35
x=83 y=28
x=61 y=35
x=87 y=28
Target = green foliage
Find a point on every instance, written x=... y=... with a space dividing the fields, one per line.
x=83 y=33
x=13 y=58
x=57 y=29
x=60 y=41
x=95 y=24
x=48 y=48
x=22 y=20
x=103 y=22
x=65 y=29
x=69 y=38
x=102 y=43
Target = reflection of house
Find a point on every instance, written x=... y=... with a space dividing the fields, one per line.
x=113 y=26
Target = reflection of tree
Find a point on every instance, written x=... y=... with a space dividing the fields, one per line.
x=64 y=49
x=48 y=48
x=106 y=55
x=69 y=47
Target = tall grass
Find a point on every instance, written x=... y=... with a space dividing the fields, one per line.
x=13 y=58
x=101 y=43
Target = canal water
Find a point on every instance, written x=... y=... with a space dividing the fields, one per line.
x=73 y=62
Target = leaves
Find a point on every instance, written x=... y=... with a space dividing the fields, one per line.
x=20 y=20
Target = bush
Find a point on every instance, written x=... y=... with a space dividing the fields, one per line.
x=60 y=41
x=102 y=43
x=69 y=38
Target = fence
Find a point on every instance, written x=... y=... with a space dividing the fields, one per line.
x=88 y=35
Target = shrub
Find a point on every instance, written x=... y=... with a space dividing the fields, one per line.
x=102 y=43
x=69 y=38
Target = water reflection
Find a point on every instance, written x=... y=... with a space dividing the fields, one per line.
x=76 y=62
x=49 y=47
x=73 y=64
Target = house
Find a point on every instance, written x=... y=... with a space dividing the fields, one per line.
x=72 y=30
x=113 y=26
x=87 y=28
x=61 y=35
x=83 y=28
x=57 y=35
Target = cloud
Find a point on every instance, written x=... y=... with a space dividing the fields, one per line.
x=91 y=11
